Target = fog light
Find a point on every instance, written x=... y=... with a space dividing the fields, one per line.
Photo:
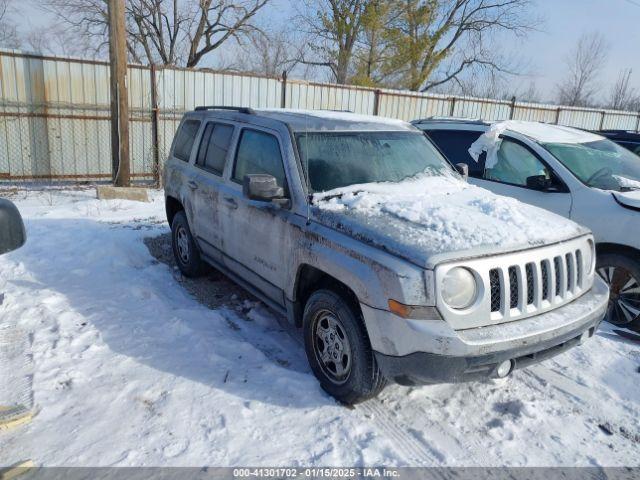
x=584 y=337
x=504 y=368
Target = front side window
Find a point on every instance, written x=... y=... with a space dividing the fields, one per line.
x=339 y=159
x=214 y=147
x=600 y=164
x=185 y=138
x=259 y=152
x=514 y=164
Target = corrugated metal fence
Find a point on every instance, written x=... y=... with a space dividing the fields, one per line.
x=54 y=112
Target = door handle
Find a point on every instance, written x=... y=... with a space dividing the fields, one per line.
x=231 y=202
x=192 y=185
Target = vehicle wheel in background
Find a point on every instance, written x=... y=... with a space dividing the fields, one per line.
x=622 y=274
x=338 y=348
x=185 y=250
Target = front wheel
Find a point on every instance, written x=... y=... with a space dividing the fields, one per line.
x=338 y=348
x=622 y=274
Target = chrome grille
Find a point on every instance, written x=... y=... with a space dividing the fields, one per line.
x=524 y=286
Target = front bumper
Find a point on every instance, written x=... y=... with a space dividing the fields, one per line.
x=430 y=351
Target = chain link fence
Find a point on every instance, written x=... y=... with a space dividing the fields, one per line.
x=16 y=376
x=55 y=115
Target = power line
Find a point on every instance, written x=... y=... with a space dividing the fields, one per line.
x=633 y=2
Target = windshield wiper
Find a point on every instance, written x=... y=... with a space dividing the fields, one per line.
x=335 y=195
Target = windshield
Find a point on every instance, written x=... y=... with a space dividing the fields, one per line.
x=339 y=159
x=600 y=164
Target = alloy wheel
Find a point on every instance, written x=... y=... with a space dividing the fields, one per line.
x=624 y=298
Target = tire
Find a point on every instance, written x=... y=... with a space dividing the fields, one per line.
x=185 y=250
x=349 y=371
x=622 y=274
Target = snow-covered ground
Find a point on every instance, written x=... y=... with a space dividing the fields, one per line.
x=131 y=369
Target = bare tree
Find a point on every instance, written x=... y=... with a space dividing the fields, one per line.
x=584 y=65
x=271 y=53
x=55 y=39
x=335 y=26
x=623 y=96
x=9 y=37
x=168 y=32
x=436 y=42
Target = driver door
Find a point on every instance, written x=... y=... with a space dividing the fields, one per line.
x=515 y=163
x=256 y=232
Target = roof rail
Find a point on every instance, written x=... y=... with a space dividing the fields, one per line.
x=247 y=110
x=436 y=118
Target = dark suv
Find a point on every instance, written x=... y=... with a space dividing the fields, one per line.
x=625 y=138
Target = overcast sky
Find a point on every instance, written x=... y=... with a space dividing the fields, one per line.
x=566 y=20
x=543 y=51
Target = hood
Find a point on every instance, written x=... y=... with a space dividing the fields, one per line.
x=628 y=199
x=432 y=219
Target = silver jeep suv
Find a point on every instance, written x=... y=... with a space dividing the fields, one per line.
x=359 y=232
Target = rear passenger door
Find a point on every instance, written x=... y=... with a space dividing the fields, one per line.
x=255 y=232
x=210 y=161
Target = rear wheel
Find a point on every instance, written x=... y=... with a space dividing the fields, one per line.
x=185 y=250
x=338 y=348
x=622 y=274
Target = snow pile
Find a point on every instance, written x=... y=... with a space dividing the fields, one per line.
x=448 y=214
x=130 y=370
x=541 y=132
x=625 y=182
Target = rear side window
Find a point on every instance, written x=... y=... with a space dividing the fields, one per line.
x=259 y=152
x=455 y=146
x=214 y=147
x=185 y=138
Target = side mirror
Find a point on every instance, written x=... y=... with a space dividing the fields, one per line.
x=12 y=233
x=463 y=169
x=539 y=182
x=263 y=188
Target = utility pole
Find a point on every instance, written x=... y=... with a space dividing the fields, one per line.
x=119 y=97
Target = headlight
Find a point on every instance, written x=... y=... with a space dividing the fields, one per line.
x=459 y=288
x=589 y=255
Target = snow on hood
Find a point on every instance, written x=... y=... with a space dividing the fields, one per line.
x=432 y=215
x=490 y=140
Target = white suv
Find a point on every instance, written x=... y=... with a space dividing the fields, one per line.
x=571 y=172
